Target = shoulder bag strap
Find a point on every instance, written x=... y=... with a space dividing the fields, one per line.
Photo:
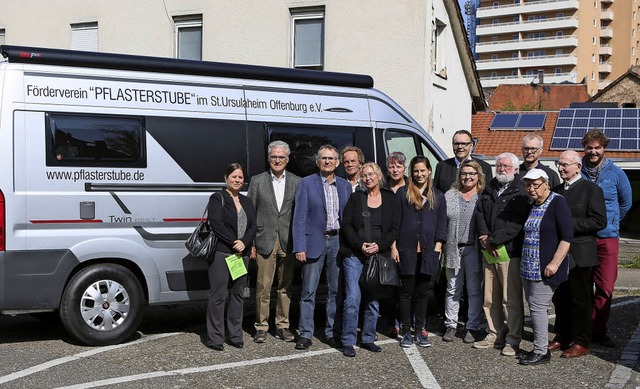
x=367 y=218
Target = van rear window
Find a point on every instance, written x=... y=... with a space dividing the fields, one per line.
x=95 y=140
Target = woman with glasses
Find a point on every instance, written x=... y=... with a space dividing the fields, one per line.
x=383 y=211
x=461 y=260
x=423 y=229
x=544 y=263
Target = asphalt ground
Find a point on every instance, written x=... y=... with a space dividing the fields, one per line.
x=168 y=353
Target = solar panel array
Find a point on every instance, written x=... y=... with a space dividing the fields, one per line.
x=518 y=121
x=620 y=125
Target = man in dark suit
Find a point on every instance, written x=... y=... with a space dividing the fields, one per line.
x=320 y=200
x=273 y=193
x=447 y=170
x=574 y=298
x=531 y=151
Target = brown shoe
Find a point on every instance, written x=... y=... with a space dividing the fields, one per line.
x=285 y=334
x=554 y=345
x=260 y=336
x=575 y=351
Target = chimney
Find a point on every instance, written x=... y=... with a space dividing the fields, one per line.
x=540 y=76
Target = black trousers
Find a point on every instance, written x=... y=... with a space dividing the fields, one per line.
x=219 y=280
x=413 y=298
x=573 y=300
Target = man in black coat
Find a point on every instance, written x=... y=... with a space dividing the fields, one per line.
x=502 y=211
x=447 y=170
x=574 y=298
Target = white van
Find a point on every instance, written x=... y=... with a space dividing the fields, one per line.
x=108 y=162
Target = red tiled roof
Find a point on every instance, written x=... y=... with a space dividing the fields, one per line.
x=492 y=143
x=544 y=97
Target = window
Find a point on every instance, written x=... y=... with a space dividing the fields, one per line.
x=84 y=36
x=515 y=37
x=559 y=52
x=305 y=141
x=560 y=15
x=593 y=40
x=495 y=21
x=494 y=57
x=2 y=36
x=558 y=70
x=537 y=35
x=595 y=23
x=308 y=39
x=593 y=76
x=514 y=54
x=593 y=58
x=633 y=32
x=188 y=37
x=559 y=34
x=94 y=140
x=439 y=46
x=494 y=39
x=514 y=73
x=494 y=74
x=397 y=140
x=537 y=53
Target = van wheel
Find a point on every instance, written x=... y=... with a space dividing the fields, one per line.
x=102 y=305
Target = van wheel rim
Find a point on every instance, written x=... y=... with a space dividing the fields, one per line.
x=105 y=305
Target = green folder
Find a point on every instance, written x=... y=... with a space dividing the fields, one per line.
x=236 y=266
x=502 y=255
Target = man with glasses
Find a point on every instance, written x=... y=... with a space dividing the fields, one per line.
x=531 y=151
x=617 y=195
x=501 y=213
x=573 y=298
x=320 y=201
x=273 y=193
x=447 y=170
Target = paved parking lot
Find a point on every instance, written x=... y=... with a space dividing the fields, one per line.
x=169 y=354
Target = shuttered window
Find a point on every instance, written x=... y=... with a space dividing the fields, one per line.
x=188 y=37
x=84 y=36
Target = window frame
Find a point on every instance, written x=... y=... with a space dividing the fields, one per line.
x=77 y=42
x=305 y=15
x=182 y=22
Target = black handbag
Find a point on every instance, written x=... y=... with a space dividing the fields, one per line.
x=203 y=241
x=381 y=277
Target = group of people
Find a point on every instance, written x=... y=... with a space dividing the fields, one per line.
x=524 y=231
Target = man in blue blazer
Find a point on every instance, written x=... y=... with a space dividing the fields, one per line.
x=320 y=200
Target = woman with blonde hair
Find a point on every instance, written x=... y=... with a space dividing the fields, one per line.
x=423 y=229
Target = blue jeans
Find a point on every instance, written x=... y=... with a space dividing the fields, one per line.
x=311 y=271
x=352 y=269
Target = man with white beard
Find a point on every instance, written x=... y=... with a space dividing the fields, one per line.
x=502 y=211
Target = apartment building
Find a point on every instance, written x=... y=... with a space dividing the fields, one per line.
x=590 y=41
x=416 y=51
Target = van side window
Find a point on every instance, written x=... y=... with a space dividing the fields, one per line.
x=305 y=141
x=405 y=142
x=96 y=140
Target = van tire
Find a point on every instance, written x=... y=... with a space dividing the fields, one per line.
x=79 y=297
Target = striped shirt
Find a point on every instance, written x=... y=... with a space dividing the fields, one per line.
x=333 y=204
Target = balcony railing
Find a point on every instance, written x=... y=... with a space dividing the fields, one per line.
x=526 y=22
x=525 y=40
x=528 y=3
x=536 y=57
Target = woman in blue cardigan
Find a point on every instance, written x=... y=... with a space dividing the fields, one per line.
x=423 y=230
x=544 y=264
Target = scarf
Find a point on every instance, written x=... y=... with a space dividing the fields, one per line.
x=593 y=172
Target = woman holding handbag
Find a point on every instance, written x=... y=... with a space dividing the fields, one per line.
x=375 y=212
x=233 y=220
x=423 y=230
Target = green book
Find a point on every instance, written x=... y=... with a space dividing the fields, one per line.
x=502 y=255
x=236 y=266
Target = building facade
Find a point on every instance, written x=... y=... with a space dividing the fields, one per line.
x=416 y=51
x=590 y=41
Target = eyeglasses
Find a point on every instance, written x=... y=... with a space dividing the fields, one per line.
x=565 y=165
x=530 y=149
x=468 y=174
x=462 y=144
x=532 y=185
x=369 y=175
x=328 y=158
x=277 y=158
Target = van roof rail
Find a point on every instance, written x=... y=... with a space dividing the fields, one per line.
x=38 y=55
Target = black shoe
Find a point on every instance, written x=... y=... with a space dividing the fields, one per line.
x=371 y=347
x=349 y=351
x=303 y=344
x=237 y=344
x=334 y=343
x=522 y=354
x=536 y=359
x=216 y=347
x=603 y=340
